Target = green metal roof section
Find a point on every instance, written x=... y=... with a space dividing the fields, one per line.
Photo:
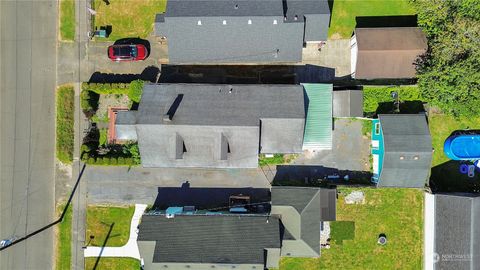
x=318 y=126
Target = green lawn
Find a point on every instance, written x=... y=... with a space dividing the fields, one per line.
x=345 y=11
x=112 y=263
x=128 y=18
x=445 y=172
x=396 y=212
x=101 y=218
x=65 y=122
x=67 y=20
x=441 y=126
x=64 y=236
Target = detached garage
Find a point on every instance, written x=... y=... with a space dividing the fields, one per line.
x=386 y=53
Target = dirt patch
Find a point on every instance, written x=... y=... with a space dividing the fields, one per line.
x=107 y=101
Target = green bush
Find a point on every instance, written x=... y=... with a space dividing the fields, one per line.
x=121 y=161
x=100 y=161
x=128 y=161
x=135 y=91
x=91 y=160
x=65 y=123
x=89 y=102
x=113 y=161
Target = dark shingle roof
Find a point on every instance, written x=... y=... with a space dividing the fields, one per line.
x=348 y=103
x=457 y=219
x=216 y=125
x=248 y=31
x=309 y=205
x=210 y=239
x=219 y=104
x=223 y=8
x=388 y=52
x=405 y=136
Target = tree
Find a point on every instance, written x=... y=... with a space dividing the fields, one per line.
x=449 y=74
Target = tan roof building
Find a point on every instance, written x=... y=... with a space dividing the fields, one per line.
x=386 y=53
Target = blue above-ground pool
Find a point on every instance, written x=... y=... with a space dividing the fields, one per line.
x=462 y=147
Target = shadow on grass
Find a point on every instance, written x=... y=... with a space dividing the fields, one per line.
x=305 y=175
x=59 y=220
x=446 y=177
x=104 y=244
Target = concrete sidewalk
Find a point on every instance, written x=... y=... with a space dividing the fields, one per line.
x=130 y=249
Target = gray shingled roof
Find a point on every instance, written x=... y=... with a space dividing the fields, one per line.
x=210 y=239
x=405 y=136
x=308 y=204
x=222 y=8
x=241 y=31
x=457 y=219
x=209 y=125
x=219 y=104
x=348 y=103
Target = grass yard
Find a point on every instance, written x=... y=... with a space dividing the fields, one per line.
x=445 y=172
x=112 y=263
x=128 y=18
x=65 y=122
x=344 y=13
x=396 y=212
x=441 y=126
x=101 y=218
x=67 y=20
x=64 y=236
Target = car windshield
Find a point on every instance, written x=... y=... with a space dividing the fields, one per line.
x=125 y=51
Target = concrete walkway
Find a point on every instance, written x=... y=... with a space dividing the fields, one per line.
x=130 y=249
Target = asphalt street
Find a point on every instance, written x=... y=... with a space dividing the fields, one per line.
x=27 y=134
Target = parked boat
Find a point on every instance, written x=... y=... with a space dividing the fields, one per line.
x=462 y=147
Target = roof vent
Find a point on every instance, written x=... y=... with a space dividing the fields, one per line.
x=199 y=22
x=274 y=21
x=402 y=157
x=231 y=90
x=249 y=21
x=236 y=6
x=224 y=22
x=285 y=18
x=416 y=157
x=295 y=18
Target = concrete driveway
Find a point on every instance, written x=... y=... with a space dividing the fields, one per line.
x=140 y=185
x=79 y=60
x=350 y=149
x=335 y=54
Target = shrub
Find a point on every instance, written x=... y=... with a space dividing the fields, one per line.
x=91 y=160
x=128 y=161
x=135 y=91
x=89 y=102
x=121 y=160
x=100 y=161
x=113 y=161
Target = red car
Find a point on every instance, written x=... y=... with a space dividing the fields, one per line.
x=129 y=52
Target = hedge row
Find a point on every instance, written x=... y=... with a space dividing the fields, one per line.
x=109 y=160
x=133 y=89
